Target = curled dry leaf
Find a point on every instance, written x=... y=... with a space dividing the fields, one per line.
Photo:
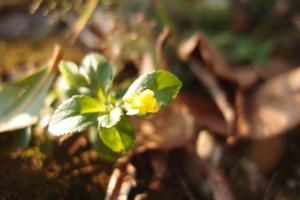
x=217 y=93
x=212 y=59
x=208 y=54
x=207 y=65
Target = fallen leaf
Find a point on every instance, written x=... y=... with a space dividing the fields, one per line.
x=207 y=65
x=170 y=128
x=21 y=100
x=205 y=113
x=217 y=93
x=246 y=76
x=274 y=108
x=208 y=55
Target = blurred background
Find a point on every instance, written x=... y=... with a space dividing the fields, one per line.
x=232 y=133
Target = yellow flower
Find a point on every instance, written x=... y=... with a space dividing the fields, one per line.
x=142 y=103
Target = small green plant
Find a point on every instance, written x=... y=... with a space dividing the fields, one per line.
x=97 y=105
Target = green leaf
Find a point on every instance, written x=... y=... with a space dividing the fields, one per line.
x=119 y=138
x=22 y=100
x=99 y=73
x=164 y=84
x=104 y=152
x=75 y=115
x=111 y=119
x=71 y=74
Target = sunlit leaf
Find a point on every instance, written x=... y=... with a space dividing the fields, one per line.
x=110 y=119
x=75 y=115
x=22 y=100
x=71 y=74
x=164 y=84
x=99 y=73
x=119 y=138
x=104 y=152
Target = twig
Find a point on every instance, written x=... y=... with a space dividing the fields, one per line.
x=161 y=41
x=84 y=18
x=114 y=185
x=79 y=142
x=121 y=181
x=56 y=57
x=128 y=182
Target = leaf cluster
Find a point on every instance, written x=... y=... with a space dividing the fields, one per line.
x=98 y=107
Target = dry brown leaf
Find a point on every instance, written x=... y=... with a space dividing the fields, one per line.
x=266 y=154
x=172 y=127
x=207 y=65
x=198 y=44
x=217 y=93
x=208 y=55
x=275 y=106
x=246 y=76
x=205 y=113
x=188 y=113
